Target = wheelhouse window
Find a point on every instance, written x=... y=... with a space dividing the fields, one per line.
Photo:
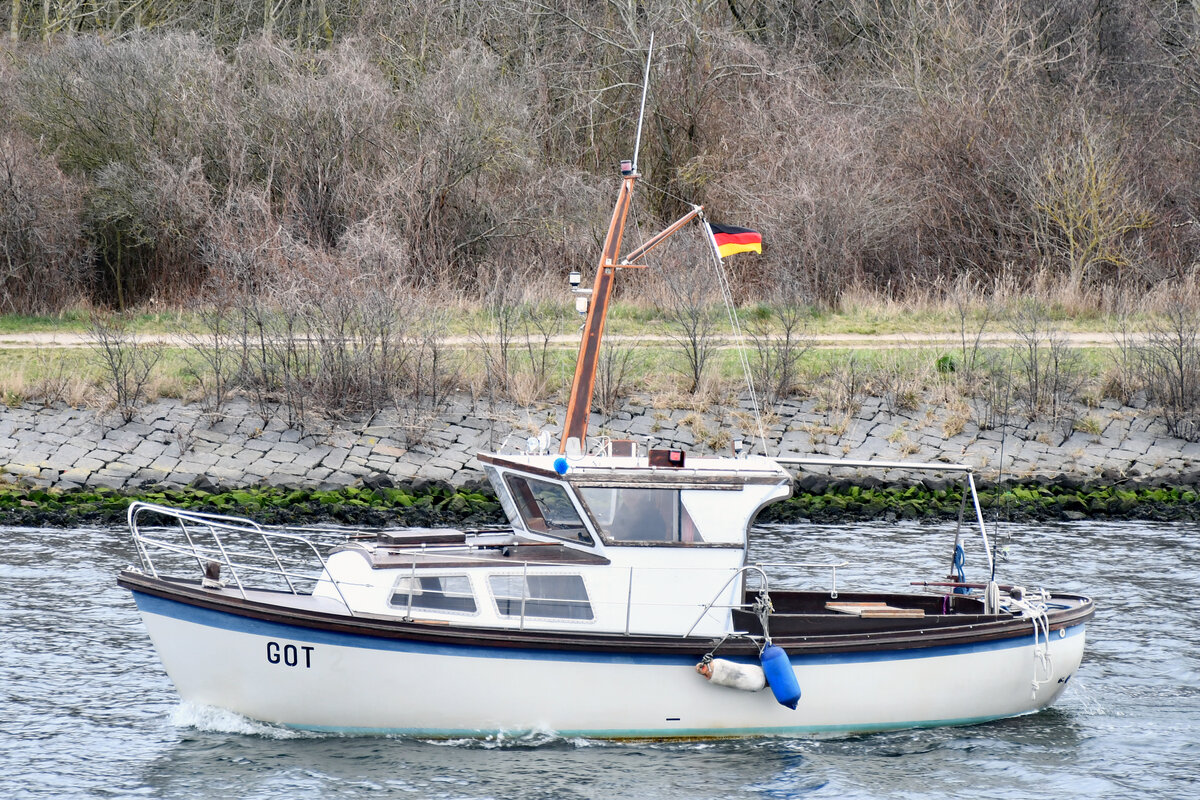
x=640 y=515
x=546 y=507
x=434 y=593
x=549 y=596
x=506 y=502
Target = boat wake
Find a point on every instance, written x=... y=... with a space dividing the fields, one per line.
x=210 y=719
x=525 y=740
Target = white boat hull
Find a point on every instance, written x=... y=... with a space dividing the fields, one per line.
x=326 y=680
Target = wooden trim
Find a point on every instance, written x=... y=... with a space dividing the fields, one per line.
x=516 y=466
x=915 y=635
x=671 y=479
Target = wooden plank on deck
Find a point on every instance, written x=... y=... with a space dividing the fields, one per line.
x=875 y=610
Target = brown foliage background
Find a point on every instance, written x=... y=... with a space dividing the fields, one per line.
x=154 y=152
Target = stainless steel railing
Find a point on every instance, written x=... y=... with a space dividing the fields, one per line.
x=238 y=548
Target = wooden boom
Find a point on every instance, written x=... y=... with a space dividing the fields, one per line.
x=584 y=383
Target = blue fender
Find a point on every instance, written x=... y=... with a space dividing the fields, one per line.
x=780 y=675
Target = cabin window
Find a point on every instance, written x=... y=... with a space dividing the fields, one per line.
x=640 y=515
x=506 y=502
x=546 y=507
x=434 y=593
x=552 y=596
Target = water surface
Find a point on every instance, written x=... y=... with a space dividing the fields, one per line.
x=87 y=711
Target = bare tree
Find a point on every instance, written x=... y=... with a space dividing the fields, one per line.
x=1170 y=367
x=215 y=351
x=691 y=317
x=614 y=371
x=128 y=363
x=1050 y=368
x=1086 y=207
x=42 y=251
x=779 y=339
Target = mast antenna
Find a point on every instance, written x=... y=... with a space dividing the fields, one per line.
x=637 y=143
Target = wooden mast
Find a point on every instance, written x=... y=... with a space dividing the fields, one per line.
x=583 y=385
x=580 y=405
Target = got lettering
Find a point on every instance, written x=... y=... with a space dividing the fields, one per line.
x=290 y=655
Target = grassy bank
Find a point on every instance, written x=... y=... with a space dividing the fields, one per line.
x=527 y=353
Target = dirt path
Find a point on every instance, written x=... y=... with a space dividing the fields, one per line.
x=890 y=341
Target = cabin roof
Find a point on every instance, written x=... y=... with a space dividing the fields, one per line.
x=382 y=556
x=698 y=471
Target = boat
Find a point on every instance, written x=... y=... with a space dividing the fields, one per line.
x=618 y=601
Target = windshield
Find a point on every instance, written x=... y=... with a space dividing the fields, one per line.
x=546 y=507
x=640 y=515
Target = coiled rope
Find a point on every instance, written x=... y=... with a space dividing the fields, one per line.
x=1035 y=609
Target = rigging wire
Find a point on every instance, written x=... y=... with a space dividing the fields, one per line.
x=665 y=192
x=730 y=308
x=1003 y=495
x=637 y=145
x=727 y=297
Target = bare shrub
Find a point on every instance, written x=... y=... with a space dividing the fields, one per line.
x=372 y=248
x=355 y=329
x=96 y=103
x=1170 y=368
x=970 y=335
x=904 y=148
x=833 y=213
x=330 y=345
x=132 y=116
x=54 y=384
x=344 y=340
x=1050 y=369
x=990 y=389
x=143 y=220
x=462 y=166
x=260 y=375
x=429 y=374
x=495 y=331
x=617 y=365
x=540 y=323
x=320 y=125
x=127 y=361
x=1122 y=379
x=42 y=252
x=842 y=390
x=778 y=340
x=214 y=347
x=690 y=316
x=899 y=382
x=243 y=249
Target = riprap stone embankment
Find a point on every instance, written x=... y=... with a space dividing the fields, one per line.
x=175 y=444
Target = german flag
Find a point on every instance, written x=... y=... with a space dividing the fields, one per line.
x=729 y=240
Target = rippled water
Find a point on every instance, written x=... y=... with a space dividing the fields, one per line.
x=86 y=710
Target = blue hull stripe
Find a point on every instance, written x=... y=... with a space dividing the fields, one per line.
x=151 y=604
